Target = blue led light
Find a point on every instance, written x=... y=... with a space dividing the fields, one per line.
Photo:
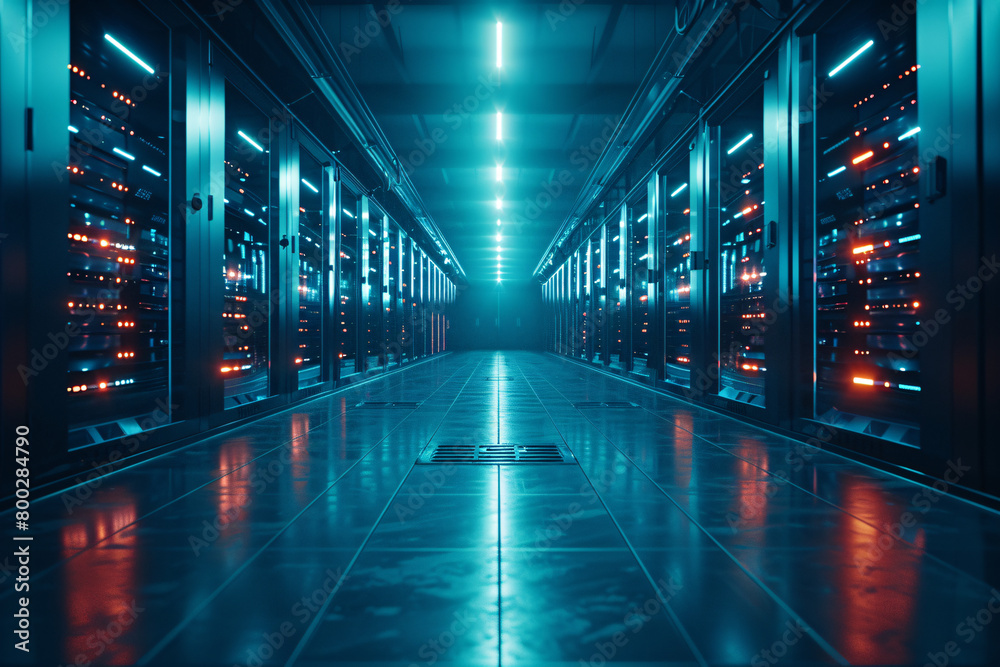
x=852 y=57
x=250 y=141
x=129 y=54
x=741 y=142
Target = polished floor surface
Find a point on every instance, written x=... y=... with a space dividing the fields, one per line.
x=677 y=536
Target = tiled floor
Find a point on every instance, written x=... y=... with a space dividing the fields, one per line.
x=678 y=536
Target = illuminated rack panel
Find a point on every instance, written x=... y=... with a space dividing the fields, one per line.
x=347 y=350
x=425 y=300
x=598 y=301
x=249 y=298
x=868 y=269
x=312 y=230
x=640 y=287
x=677 y=276
x=390 y=262
x=404 y=299
x=617 y=271
x=741 y=262
x=373 y=305
x=118 y=223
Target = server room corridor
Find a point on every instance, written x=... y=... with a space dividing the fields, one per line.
x=330 y=535
x=519 y=333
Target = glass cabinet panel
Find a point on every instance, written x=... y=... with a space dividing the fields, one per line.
x=347 y=338
x=640 y=265
x=373 y=302
x=867 y=226
x=311 y=237
x=581 y=289
x=423 y=316
x=677 y=274
x=598 y=301
x=617 y=245
x=741 y=262
x=247 y=307
x=119 y=222
x=390 y=304
x=405 y=297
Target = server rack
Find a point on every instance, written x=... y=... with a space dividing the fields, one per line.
x=140 y=272
x=868 y=143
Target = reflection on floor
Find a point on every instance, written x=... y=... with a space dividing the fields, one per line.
x=678 y=536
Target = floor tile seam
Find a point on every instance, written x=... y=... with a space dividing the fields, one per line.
x=821 y=641
x=314 y=624
x=178 y=628
x=672 y=614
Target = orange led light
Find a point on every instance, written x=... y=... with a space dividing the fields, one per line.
x=863 y=157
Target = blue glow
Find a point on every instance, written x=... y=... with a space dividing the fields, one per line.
x=679 y=190
x=151 y=170
x=249 y=212
x=909 y=387
x=250 y=141
x=852 y=57
x=644 y=216
x=129 y=54
x=499 y=44
x=310 y=186
x=907 y=239
x=909 y=134
x=742 y=141
x=836 y=171
x=73 y=129
x=127 y=156
x=348 y=213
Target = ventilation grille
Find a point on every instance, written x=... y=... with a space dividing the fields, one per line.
x=604 y=404
x=494 y=454
x=388 y=405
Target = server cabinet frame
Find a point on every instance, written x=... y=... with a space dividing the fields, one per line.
x=282 y=269
x=952 y=223
x=330 y=249
x=35 y=82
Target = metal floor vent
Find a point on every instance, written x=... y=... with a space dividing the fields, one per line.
x=385 y=405
x=494 y=454
x=605 y=404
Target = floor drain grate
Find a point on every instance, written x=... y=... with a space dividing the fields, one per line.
x=605 y=404
x=386 y=405
x=494 y=454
